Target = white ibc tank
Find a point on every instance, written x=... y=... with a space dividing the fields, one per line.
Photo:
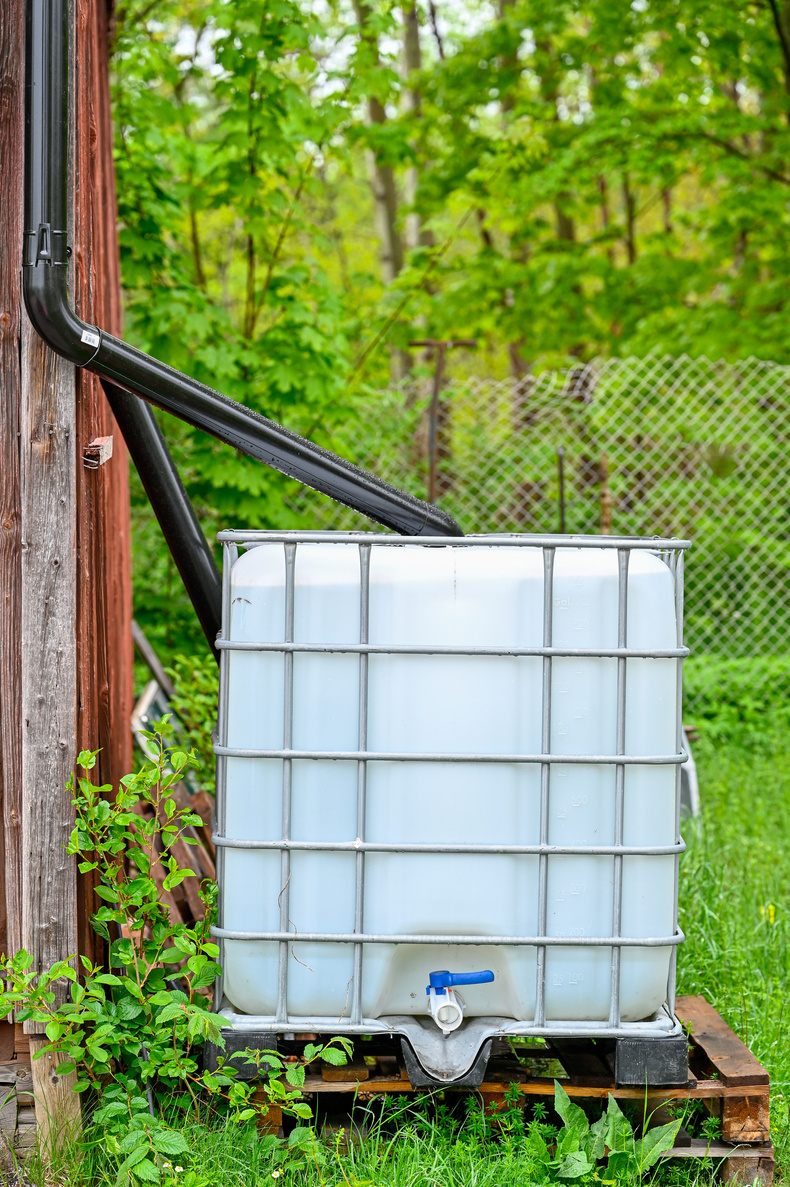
x=480 y=596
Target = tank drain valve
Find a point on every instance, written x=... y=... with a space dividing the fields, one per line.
x=447 y=1007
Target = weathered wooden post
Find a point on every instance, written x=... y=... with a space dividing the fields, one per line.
x=65 y=587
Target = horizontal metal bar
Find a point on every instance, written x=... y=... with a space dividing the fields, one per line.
x=401 y=756
x=428 y=649
x=450 y=847
x=252 y=1023
x=523 y=941
x=522 y=540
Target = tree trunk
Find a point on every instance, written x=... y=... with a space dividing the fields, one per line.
x=382 y=182
x=629 y=203
x=412 y=62
x=382 y=176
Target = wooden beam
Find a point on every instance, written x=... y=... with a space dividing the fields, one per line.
x=12 y=32
x=49 y=652
x=104 y=591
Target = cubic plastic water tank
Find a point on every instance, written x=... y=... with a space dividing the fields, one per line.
x=455 y=754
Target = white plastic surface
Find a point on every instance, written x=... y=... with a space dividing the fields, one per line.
x=480 y=596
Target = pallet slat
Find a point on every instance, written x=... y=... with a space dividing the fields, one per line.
x=731 y=1058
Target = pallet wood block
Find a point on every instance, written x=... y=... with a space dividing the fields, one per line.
x=349 y=1072
x=271 y=1121
x=745 y=1115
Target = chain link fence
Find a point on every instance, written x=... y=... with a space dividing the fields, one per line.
x=656 y=446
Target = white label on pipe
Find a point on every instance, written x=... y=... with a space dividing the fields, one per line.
x=90 y=339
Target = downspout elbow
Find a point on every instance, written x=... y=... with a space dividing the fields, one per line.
x=44 y=273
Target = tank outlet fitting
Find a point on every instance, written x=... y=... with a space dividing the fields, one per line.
x=447 y=1007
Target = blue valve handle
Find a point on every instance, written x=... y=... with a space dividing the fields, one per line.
x=444 y=980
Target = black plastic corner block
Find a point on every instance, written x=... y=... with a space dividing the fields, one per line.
x=650 y=1063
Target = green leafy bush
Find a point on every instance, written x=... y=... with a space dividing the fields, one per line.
x=745 y=702
x=132 y=1035
x=196 y=681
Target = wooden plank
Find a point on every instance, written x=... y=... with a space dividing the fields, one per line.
x=49 y=660
x=704 y=1090
x=730 y=1057
x=57 y=1106
x=12 y=37
x=739 y=1165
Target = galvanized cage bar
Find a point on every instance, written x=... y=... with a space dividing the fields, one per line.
x=450 y=847
x=663 y=1022
x=362 y=775
x=545 y=785
x=352 y=937
x=623 y=556
x=678 y=560
x=439 y=649
x=287 y=784
x=638 y=760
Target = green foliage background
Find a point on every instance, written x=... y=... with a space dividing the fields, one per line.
x=586 y=179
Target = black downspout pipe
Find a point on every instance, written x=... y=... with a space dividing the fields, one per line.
x=177 y=519
x=44 y=271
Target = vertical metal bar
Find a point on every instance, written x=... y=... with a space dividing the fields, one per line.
x=545 y=783
x=362 y=776
x=230 y=554
x=623 y=557
x=679 y=557
x=285 y=856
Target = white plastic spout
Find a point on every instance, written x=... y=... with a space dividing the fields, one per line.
x=447 y=1009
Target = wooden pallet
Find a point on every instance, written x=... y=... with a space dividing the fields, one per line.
x=723 y=1073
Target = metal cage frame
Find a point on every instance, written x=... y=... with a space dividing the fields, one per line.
x=663 y=1023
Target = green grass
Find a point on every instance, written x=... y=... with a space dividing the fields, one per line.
x=735 y=911
x=735 y=904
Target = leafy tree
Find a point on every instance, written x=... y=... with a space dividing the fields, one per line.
x=303 y=185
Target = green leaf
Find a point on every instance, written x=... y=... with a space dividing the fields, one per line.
x=167 y=1141
x=574 y=1165
x=574 y=1118
x=168 y=1013
x=333 y=1056
x=294 y=1074
x=595 y=1145
x=172 y=956
x=126 y=1166
x=131 y=1141
x=619 y=1134
x=146 y=1171
x=128 y=1009
x=655 y=1142
x=300 y=1135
